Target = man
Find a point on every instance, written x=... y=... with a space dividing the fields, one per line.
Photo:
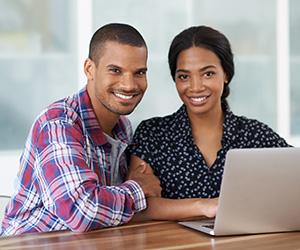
x=74 y=164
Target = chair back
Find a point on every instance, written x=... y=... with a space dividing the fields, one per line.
x=3 y=202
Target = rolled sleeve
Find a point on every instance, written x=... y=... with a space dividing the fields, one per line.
x=137 y=195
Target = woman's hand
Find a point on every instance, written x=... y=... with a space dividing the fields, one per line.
x=208 y=207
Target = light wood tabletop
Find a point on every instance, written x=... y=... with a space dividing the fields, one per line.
x=164 y=235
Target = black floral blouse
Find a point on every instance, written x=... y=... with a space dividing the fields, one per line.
x=166 y=144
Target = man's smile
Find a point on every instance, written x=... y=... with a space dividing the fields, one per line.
x=122 y=96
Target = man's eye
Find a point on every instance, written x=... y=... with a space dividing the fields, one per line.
x=115 y=70
x=141 y=73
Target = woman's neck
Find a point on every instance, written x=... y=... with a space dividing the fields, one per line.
x=208 y=122
x=207 y=130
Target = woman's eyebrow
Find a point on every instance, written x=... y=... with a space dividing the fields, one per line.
x=207 y=67
x=182 y=70
x=202 y=69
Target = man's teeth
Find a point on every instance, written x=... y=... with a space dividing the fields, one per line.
x=127 y=97
x=198 y=99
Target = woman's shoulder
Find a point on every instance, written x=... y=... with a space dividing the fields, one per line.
x=242 y=122
x=162 y=123
x=252 y=124
x=256 y=132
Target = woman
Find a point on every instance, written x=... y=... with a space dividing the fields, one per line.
x=187 y=149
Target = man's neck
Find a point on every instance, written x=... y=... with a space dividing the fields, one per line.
x=107 y=126
x=107 y=120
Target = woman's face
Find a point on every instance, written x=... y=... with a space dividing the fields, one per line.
x=200 y=80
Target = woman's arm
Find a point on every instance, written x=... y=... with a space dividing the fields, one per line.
x=171 y=209
x=137 y=164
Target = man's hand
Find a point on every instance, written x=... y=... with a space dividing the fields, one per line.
x=142 y=173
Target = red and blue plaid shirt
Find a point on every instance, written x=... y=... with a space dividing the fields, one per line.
x=64 y=176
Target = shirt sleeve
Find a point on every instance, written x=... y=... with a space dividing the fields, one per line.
x=70 y=190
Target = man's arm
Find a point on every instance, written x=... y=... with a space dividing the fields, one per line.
x=73 y=192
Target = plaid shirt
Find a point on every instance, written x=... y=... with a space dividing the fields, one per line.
x=64 y=176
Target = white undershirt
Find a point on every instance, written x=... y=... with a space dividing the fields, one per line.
x=117 y=149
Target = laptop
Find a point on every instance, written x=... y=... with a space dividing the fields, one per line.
x=260 y=193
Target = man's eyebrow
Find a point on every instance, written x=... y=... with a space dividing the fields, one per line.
x=113 y=66
x=143 y=69
x=202 y=69
x=118 y=67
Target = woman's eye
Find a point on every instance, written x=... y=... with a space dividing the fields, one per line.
x=183 y=77
x=209 y=73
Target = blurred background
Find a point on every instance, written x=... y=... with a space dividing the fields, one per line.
x=43 y=45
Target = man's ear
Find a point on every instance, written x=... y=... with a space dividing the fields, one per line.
x=89 y=69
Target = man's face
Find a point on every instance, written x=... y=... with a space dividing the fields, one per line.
x=119 y=81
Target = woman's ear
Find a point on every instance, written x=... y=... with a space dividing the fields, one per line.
x=226 y=80
x=89 y=69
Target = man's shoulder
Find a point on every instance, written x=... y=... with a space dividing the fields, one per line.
x=66 y=108
x=62 y=111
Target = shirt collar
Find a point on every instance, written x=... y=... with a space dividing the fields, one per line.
x=90 y=121
x=182 y=127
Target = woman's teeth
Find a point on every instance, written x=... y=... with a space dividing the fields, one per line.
x=200 y=99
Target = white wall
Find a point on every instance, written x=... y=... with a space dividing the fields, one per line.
x=9 y=165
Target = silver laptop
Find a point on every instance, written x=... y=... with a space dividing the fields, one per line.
x=260 y=193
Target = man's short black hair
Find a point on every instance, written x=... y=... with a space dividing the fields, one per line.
x=118 y=32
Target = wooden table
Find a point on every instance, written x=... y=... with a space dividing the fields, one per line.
x=164 y=235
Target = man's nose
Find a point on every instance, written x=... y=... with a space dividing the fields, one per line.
x=128 y=82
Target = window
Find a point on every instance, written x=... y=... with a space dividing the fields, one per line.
x=295 y=66
x=256 y=32
x=38 y=65
x=37 y=62
x=43 y=44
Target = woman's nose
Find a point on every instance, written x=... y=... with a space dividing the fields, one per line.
x=197 y=84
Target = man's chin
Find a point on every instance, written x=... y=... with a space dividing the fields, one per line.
x=121 y=109
x=127 y=111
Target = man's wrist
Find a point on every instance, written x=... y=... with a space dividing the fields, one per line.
x=137 y=195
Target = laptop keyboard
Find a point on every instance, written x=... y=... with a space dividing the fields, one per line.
x=210 y=226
